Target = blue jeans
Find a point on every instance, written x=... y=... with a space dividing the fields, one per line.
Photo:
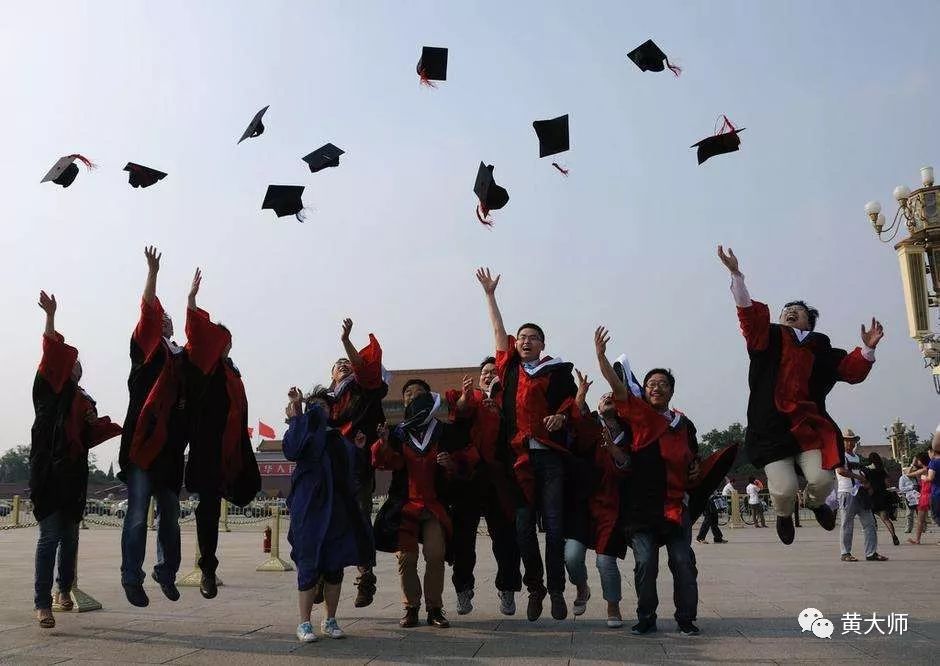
x=549 y=471
x=575 y=553
x=134 y=534
x=681 y=564
x=56 y=533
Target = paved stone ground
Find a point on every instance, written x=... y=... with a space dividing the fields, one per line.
x=752 y=590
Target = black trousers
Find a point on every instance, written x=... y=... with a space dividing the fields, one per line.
x=466 y=521
x=710 y=521
x=207 y=531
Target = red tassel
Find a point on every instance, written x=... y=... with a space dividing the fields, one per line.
x=425 y=81
x=482 y=214
x=675 y=69
x=564 y=172
x=726 y=125
x=84 y=160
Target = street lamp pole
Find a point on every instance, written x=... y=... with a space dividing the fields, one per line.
x=919 y=257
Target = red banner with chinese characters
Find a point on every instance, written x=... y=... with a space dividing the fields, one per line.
x=276 y=468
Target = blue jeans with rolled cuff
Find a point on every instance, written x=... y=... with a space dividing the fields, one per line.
x=57 y=534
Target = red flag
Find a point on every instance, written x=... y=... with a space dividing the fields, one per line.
x=266 y=431
x=251 y=432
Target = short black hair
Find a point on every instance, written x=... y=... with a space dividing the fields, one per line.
x=485 y=362
x=811 y=312
x=535 y=327
x=419 y=382
x=662 y=371
x=876 y=460
x=751 y=479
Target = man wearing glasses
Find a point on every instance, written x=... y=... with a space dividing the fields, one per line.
x=539 y=408
x=792 y=371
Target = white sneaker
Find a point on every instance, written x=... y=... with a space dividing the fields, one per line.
x=507 y=602
x=464 y=602
x=329 y=627
x=305 y=633
x=614 y=622
x=580 y=602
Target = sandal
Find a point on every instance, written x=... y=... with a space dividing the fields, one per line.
x=875 y=557
x=914 y=542
x=64 y=601
x=47 y=622
x=848 y=557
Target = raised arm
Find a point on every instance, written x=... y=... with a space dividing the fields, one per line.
x=601 y=338
x=351 y=352
x=753 y=316
x=153 y=267
x=194 y=290
x=738 y=289
x=581 y=398
x=48 y=305
x=489 y=285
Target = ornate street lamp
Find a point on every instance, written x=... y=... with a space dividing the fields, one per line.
x=902 y=440
x=919 y=257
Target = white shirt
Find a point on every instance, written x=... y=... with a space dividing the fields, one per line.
x=753 y=494
x=727 y=490
x=907 y=486
x=852 y=464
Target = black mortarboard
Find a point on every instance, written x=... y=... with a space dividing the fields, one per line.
x=552 y=134
x=141 y=176
x=650 y=58
x=255 y=127
x=321 y=158
x=726 y=141
x=284 y=200
x=491 y=195
x=433 y=64
x=63 y=172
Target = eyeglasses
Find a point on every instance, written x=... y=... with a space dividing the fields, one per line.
x=529 y=338
x=657 y=385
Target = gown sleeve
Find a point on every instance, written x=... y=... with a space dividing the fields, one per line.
x=58 y=359
x=149 y=330
x=306 y=434
x=205 y=340
x=369 y=372
x=383 y=457
x=646 y=424
x=853 y=368
x=755 y=325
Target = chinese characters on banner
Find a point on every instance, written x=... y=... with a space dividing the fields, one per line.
x=893 y=623
x=276 y=468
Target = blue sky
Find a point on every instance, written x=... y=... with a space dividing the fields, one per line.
x=836 y=99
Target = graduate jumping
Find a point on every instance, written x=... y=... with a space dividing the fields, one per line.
x=793 y=369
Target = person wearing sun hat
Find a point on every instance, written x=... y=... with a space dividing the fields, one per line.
x=855 y=501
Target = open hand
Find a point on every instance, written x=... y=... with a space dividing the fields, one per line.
x=153 y=258
x=601 y=338
x=47 y=303
x=194 y=288
x=467 y=386
x=487 y=281
x=729 y=260
x=583 y=386
x=873 y=335
x=554 y=422
x=347 y=328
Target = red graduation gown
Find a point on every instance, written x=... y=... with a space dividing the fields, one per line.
x=789 y=381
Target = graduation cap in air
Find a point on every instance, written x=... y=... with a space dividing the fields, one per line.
x=285 y=200
x=553 y=138
x=650 y=58
x=321 y=158
x=255 y=127
x=491 y=195
x=433 y=65
x=141 y=176
x=726 y=140
x=63 y=172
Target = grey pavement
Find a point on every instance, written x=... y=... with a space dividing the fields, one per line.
x=751 y=592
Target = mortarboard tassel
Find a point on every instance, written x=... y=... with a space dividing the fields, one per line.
x=675 y=69
x=726 y=125
x=564 y=172
x=84 y=160
x=482 y=213
x=425 y=81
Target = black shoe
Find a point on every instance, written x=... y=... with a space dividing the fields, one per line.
x=721 y=541
x=207 y=586
x=701 y=541
x=436 y=618
x=895 y=540
x=409 y=619
x=136 y=596
x=559 y=606
x=785 y=529
x=688 y=629
x=366 y=593
x=534 y=610
x=825 y=516
x=169 y=589
x=647 y=626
